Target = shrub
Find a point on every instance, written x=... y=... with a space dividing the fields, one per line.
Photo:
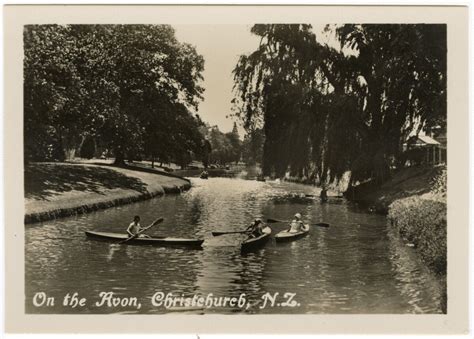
x=423 y=222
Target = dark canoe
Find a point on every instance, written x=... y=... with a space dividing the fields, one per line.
x=285 y=236
x=256 y=243
x=216 y=233
x=159 y=241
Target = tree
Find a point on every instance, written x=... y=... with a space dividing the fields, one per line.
x=88 y=148
x=325 y=111
x=252 y=147
x=129 y=86
x=404 y=72
x=52 y=92
x=235 y=144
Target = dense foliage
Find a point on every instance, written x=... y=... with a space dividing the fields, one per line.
x=224 y=148
x=423 y=222
x=252 y=146
x=130 y=87
x=326 y=111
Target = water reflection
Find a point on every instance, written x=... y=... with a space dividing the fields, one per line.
x=358 y=265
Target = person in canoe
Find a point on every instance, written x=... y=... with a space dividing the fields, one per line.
x=204 y=175
x=135 y=227
x=296 y=224
x=256 y=228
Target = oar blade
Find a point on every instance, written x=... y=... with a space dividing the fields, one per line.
x=217 y=233
x=321 y=224
x=157 y=221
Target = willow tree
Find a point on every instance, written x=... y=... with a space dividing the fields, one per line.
x=404 y=72
x=318 y=106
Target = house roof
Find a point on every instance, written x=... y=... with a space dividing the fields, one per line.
x=422 y=140
x=428 y=140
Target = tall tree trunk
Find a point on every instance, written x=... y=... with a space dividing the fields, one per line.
x=68 y=144
x=119 y=158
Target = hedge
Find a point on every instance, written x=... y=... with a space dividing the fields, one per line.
x=423 y=223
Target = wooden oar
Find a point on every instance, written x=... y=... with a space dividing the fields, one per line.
x=230 y=232
x=329 y=196
x=321 y=224
x=156 y=222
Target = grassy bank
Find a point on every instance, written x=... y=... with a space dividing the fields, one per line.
x=429 y=182
x=415 y=201
x=422 y=222
x=54 y=190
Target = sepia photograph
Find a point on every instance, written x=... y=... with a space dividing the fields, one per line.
x=323 y=175
x=260 y=168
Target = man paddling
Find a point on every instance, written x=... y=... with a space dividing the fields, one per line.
x=296 y=224
x=255 y=229
x=134 y=228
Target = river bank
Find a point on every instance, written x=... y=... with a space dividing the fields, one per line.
x=415 y=201
x=352 y=267
x=54 y=190
x=421 y=181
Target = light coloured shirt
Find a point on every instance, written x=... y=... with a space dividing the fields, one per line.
x=296 y=226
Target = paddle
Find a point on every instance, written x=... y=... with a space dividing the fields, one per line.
x=230 y=232
x=156 y=222
x=318 y=196
x=321 y=224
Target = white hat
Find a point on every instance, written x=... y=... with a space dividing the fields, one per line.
x=298 y=216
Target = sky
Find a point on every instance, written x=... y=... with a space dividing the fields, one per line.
x=221 y=46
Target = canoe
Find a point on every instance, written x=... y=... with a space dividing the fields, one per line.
x=252 y=244
x=158 y=241
x=288 y=236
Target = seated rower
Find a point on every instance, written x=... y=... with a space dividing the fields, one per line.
x=255 y=229
x=134 y=228
x=296 y=224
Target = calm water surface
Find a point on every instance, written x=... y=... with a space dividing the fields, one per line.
x=358 y=265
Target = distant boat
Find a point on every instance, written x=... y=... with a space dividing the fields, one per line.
x=204 y=175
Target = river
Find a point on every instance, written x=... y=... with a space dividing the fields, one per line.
x=358 y=265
